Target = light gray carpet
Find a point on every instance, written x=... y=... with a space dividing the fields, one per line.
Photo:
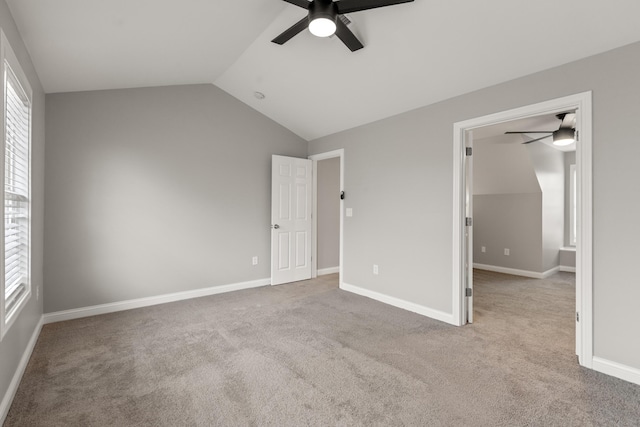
x=311 y=354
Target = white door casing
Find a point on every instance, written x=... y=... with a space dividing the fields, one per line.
x=581 y=103
x=468 y=253
x=291 y=204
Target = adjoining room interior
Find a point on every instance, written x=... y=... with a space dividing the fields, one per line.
x=524 y=217
x=522 y=191
x=139 y=142
x=328 y=216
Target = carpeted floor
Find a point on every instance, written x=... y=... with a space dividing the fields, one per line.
x=310 y=354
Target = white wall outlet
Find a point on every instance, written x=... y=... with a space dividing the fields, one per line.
x=349 y=212
x=483 y=249
x=254 y=260
x=375 y=268
x=506 y=251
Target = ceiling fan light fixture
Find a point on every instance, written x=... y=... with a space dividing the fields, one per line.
x=322 y=27
x=563 y=137
x=322 y=18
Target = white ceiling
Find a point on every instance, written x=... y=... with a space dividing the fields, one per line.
x=415 y=54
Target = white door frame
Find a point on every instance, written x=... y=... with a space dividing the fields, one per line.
x=315 y=158
x=584 y=248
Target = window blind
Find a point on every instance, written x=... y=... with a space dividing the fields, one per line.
x=16 y=191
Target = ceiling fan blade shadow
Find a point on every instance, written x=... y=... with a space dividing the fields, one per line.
x=348 y=6
x=539 y=139
x=291 y=31
x=347 y=36
x=300 y=3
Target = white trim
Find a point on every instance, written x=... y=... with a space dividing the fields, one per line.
x=329 y=270
x=572 y=204
x=617 y=370
x=315 y=158
x=5 y=405
x=113 y=307
x=584 y=260
x=567 y=269
x=8 y=55
x=400 y=303
x=516 y=272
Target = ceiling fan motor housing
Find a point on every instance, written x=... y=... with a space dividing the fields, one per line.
x=326 y=9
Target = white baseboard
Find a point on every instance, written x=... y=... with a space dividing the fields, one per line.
x=617 y=370
x=113 y=307
x=516 y=272
x=329 y=270
x=397 y=302
x=567 y=269
x=17 y=376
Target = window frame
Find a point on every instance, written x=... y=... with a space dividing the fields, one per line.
x=7 y=55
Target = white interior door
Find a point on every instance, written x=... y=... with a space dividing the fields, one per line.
x=291 y=205
x=468 y=282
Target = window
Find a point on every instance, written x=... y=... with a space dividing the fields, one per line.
x=573 y=228
x=16 y=138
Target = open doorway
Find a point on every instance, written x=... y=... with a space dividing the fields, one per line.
x=328 y=212
x=520 y=197
x=463 y=236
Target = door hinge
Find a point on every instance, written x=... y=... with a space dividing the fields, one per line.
x=468 y=151
x=468 y=292
x=468 y=222
x=577 y=316
x=577 y=135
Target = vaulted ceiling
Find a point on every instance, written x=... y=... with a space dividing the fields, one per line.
x=415 y=54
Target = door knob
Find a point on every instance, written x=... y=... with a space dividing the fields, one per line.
x=276 y=226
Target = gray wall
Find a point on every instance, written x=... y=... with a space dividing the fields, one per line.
x=328 y=240
x=549 y=168
x=14 y=343
x=568 y=258
x=156 y=190
x=511 y=221
x=503 y=165
x=399 y=171
x=569 y=159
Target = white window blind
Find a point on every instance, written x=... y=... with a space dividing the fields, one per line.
x=17 y=112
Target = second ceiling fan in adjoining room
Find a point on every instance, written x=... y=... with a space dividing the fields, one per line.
x=564 y=135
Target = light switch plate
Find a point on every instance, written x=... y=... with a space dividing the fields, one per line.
x=349 y=212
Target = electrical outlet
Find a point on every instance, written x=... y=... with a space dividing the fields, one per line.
x=375 y=268
x=349 y=212
x=483 y=249
x=37 y=292
x=506 y=251
x=254 y=260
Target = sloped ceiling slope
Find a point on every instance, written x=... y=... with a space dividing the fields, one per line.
x=81 y=45
x=415 y=54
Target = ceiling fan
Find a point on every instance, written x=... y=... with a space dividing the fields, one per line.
x=565 y=135
x=326 y=18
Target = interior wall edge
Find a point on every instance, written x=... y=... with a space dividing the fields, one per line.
x=617 y=370
x=95 y=310
x=7 y=399
x=400 y=303
x=516 y=272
